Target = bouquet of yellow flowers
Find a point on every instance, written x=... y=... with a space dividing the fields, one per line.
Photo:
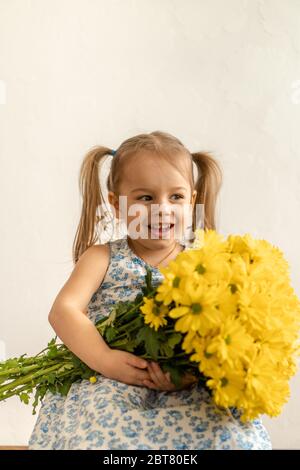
x=234 y=304
x=225 y=311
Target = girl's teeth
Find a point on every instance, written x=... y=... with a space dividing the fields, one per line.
x=157 y=229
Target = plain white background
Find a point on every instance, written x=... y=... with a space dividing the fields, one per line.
x=221 y=75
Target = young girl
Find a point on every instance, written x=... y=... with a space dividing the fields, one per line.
x=134 y=404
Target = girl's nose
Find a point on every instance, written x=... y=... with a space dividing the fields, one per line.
x=161 y=210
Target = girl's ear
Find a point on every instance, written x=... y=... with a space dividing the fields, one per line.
x=114 y=202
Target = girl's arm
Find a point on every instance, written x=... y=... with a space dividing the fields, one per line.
x=68 y=313
x=68 y=319
x=80 y=335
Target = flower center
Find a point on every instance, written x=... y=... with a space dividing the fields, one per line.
x=196 y=308
x=233 y=288
x=224 y=381
x=228 y=339
x=200 y=269
x=156 y=310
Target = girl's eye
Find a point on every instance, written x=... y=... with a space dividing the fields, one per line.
x=179 y=196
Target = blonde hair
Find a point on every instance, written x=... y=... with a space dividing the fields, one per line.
x=163 y=145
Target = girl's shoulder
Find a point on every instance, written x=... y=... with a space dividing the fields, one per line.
x=88 y=273
x=115 y=247
x=112 y=252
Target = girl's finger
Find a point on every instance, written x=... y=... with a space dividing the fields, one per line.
x=161 y=379
x=168 y=375
x=157 y=372
x=150 y=384
x=153 y=375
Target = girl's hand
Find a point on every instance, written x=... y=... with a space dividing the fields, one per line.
x=124 y=367
x=162 y=381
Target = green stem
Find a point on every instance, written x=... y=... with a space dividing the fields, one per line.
x=36 y=382
x=125 y=328
x=181 y=354
x=136 y=306
x=119 y=337
x=59 y=346
x=14 y=392
x=45 y=349
x=18 y=370
x=22 y=380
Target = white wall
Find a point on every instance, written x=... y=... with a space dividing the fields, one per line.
x=221 y=75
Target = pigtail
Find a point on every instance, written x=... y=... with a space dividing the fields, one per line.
x=92 y=197
x=208 y=184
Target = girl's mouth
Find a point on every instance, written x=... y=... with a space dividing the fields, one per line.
x=158 y=230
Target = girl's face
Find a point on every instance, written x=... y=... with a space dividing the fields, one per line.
x=155 y=200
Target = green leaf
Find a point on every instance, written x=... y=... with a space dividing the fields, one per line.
x=39 y=394
x=126 y=318
x=52 y=352
x=53 y=388
x=52 y=342
x=86 y=372
x=149 y=278
x=150 y=337
x=64 y=387
x=139 y=297
x=110 y=333
x=75 y=360
x=174 y=339
x=166 y=350
x=24 y=397
x=51 y=378
x=131 y=345
x=68 y=366
x=122 y=307
x=148 y=289
x=10 y=363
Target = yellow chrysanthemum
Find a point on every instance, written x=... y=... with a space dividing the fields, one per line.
x=228 y=386
x=257 y=255
x=190 y=341
x=210 y=240
x=232 y=343
x=208 y=362
x=166 y=291
x=256 y=312
x=200 y=312
x=154 y=315
x=210 y=263
x=259 y=378
x=212 y=266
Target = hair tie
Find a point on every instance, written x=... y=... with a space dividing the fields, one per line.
x=113 y=152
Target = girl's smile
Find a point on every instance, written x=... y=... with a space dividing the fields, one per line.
x=160 y=230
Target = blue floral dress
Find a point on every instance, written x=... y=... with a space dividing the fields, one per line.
x=112 y=415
